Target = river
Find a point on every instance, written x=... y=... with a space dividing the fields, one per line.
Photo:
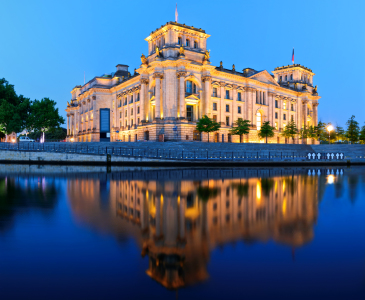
x=155 y=233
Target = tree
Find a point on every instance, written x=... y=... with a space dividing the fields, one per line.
x=44 y=116
x=14 y=109
x=242 y=127
x=205 y=124
x=266 y=131
x=290 y=130
x=353 y=129
x=322 y=131
x=340 y=133
x=362 y=135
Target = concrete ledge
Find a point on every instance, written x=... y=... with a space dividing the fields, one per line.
x=25 y=157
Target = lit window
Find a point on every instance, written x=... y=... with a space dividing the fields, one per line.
x=284 y=105
x=276 y=125
x=214 y=106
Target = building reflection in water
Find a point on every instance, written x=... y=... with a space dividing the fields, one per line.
x=178 y=217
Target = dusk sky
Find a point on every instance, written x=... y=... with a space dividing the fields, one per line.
x=48 y=45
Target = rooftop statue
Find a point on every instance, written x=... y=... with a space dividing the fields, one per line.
x=207 y=55
x=221 y=65
x=315 y=90
x=144 y=59
x=158 y=52
x=233 y=68
x=181 y=50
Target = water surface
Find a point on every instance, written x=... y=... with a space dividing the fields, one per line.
x=253 y=233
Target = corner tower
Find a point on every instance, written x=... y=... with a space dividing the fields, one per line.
x=169 y=38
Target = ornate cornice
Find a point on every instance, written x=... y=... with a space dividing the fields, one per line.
x=222 y=84
x=158 y=75
x=144 y=81
x=271 y=94
x=207 y=78
x=315 y=104
x=234 y=86
x=181 y=74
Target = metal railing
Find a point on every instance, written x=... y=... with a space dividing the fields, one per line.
x=173 y=154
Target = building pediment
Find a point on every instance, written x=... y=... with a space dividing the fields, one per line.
x=264 y=76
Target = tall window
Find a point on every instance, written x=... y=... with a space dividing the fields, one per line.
x=179 y=41
x=258 y=120
x=286 y=78
x=227 y=121
x=131 y=98
x=189 y=112
x=291 y=76
x=137 y=98
x=227 y=94
x=281 y=79
x=131 y=122
x=239 y=96
x=276 y=125
x=292 y=118
x=214 y=106
x=132 y=111
x=239 y=109
x=276 y=115
x=215 y=93
x=276 y=104
x=227 y=107
x=126 y=113
x=263 y=98
x=195 y=44
x=189 y=87
x=138 y=110
x=187 y=43
x=284 y=116
x=215 y=118
x=120 y=115
x=284 y=105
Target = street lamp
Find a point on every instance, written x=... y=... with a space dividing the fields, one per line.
x=329 y=129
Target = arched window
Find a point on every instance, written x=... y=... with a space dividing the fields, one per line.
x=258 y=120
x=291 y=76
x=195 y=44
x=187 y=43
x=179 y=41
x=286 y=77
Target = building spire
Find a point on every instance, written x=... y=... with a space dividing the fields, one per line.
x=176 y=14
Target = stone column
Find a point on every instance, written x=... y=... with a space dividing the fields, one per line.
x=304 y=111
x=158 y=77
x=271 y=108
x=246 y=97
x=207 y=104
x=68 y=124
x=222 y=108
x=315 y=114
x=182 y=106
x=298 y=113
x=253 y=106
x=234 y=104
x=95 y=120
x=144 y=106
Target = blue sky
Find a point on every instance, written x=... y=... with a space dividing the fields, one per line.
x=46 y=46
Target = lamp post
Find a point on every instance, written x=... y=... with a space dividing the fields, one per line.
x=329 y=129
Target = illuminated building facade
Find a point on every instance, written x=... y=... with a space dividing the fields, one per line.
x=176 y=85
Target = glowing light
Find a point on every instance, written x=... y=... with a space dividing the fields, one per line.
x=72 y=139
x=283 y=209
x=330 y=179
x=329 y=128
x=13 y=140
x=258 y=192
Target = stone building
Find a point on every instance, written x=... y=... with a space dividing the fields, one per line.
x=176 y=85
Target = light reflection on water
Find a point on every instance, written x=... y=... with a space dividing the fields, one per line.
x=180 y=221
